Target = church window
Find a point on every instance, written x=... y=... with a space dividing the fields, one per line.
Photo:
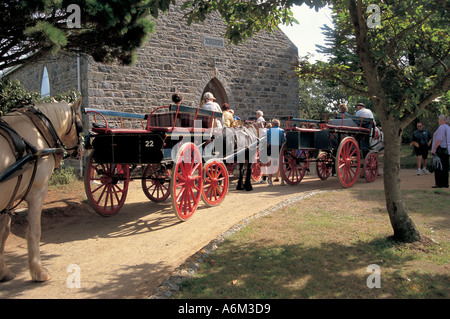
x=45 y=83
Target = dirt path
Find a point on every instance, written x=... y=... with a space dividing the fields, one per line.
x=128 y=255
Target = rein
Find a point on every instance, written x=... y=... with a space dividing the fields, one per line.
x=48 y=132
x=19 y=145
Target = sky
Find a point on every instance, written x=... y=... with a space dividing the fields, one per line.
x=307 y=33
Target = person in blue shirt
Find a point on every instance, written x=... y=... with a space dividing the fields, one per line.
x=275 y=139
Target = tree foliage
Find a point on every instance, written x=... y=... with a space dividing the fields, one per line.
x=408 y=55
x=109 y=30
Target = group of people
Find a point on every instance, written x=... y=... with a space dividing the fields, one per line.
x=229 y=119
x=439 y=142
x=421 y=139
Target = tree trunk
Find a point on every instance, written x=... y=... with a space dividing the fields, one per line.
x=404 y=228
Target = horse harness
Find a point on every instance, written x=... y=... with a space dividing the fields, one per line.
x=25 y=152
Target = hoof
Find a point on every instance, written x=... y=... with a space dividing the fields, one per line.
x=7 y=276
x=43 y=275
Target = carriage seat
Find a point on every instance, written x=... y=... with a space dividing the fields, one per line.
x=304 y=129
x=170 y=129
x=348 y=124
x=348 y=128
x=101 y=129
x=165 y=129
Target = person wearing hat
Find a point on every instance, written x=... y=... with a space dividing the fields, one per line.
x=361 y=111
x=212 y=106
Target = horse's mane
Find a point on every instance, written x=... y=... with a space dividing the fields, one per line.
x=248 y=126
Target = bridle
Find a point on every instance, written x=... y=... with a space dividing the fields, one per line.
x=73 y=152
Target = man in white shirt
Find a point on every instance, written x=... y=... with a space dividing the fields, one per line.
x=213 y=106
x=361 y=111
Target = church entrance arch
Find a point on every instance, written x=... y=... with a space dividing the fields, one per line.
x=216 y=88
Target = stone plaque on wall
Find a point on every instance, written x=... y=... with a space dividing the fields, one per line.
x=213 y=42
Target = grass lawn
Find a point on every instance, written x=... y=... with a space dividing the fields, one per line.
x=321 y=247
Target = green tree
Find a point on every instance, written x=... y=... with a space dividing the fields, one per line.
x=108 y=31
x=402 y=67
x=319 y=97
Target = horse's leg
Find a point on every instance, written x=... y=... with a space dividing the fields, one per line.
x=5 y=227
x=240 y=185
x=248 y=177
x=35 y=202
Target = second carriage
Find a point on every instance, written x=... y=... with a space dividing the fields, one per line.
x=341 y=146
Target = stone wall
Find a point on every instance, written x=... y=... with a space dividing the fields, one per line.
x=255 y=75
x=62 y=72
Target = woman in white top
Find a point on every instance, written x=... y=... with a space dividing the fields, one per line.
x=259 y=118
x=213 y=106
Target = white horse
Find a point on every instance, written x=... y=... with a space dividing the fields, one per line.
x=241 y=145
x=31 y=185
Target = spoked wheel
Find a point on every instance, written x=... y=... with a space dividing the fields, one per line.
x=324 y=165
x=348 y=161
x=186 y=181
x=106 y=186
x=371 y=167
x=256 y=168
x=215 y=182
x=156 y=182
x=293 y=165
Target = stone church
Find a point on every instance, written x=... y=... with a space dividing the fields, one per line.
x=255 y=75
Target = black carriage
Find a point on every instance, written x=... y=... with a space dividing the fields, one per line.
x=165 y=152
x=342 y=146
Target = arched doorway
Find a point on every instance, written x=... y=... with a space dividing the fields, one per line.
x=216 y=88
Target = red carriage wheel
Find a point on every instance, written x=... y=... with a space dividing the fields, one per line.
x=256 y=168
x=293 y=165
x=106 y=186
x=371 y=167
x=348 y=161
x=215 y=182
x=155 y=182
x=324 y=165
x=186 y=181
